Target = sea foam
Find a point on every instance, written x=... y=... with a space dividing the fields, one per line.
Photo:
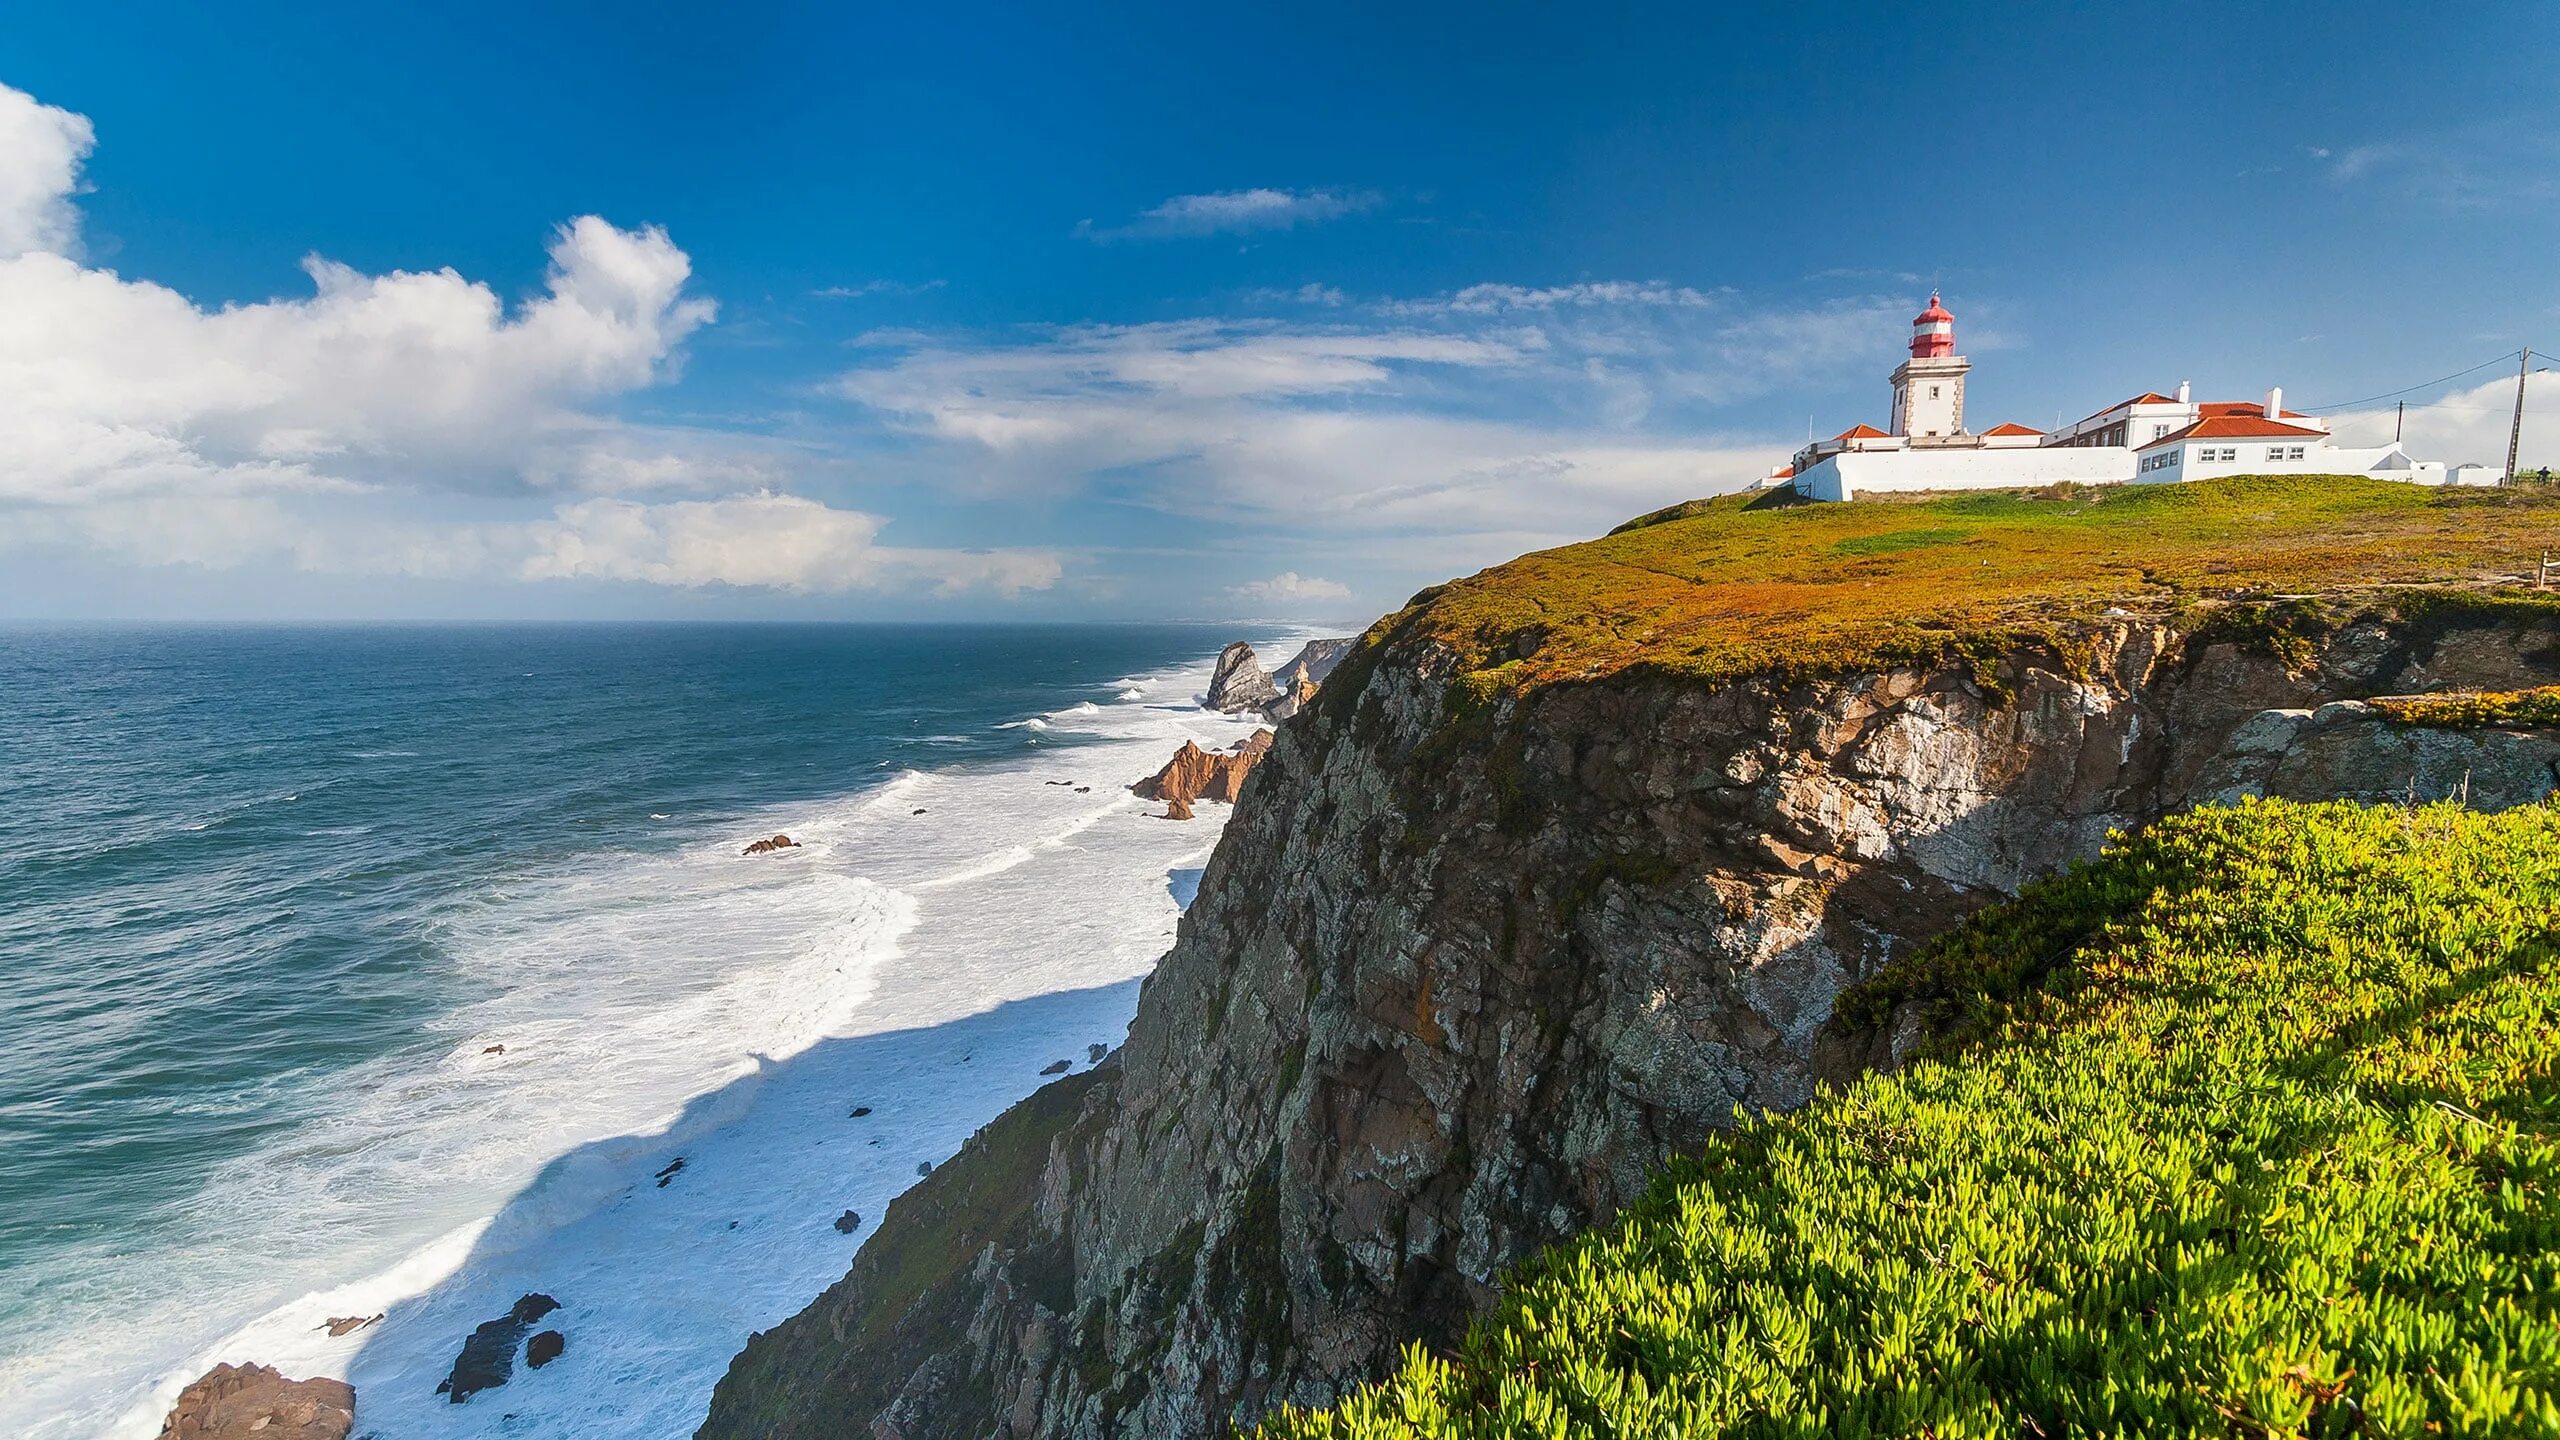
x=727 y=1011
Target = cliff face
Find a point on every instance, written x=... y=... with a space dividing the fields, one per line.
x=1462 y=972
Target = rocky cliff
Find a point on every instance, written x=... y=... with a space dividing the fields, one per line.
x=1473 y=958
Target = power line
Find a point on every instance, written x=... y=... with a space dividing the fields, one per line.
x=2406 y=389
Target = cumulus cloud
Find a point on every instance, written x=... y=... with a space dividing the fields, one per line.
x=2468 y=426
x=1290 y=590
x=41 y=150
x=1235 y=212
x=119 y=385
x=146 y=427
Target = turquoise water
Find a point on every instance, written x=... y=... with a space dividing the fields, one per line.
x=247 y=873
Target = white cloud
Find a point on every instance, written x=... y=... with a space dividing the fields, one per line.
x=41 y=149
x=1311 y=293
x=1290 y=590
x=116 y=386
x=1235 y=212
x=778 y=541
x=340 y=432
x=1387 y=429
x=768 y=541
x=2491 y=164
x=2468 y=427
x=1491 y=298
x=869 y=288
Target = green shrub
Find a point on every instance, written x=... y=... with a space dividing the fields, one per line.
x=2246 y=1129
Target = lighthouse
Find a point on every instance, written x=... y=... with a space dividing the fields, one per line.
x=1928 y=388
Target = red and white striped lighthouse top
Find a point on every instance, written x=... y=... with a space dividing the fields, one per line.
x=1933 y=333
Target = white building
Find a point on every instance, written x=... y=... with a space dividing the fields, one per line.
x=2151 y=438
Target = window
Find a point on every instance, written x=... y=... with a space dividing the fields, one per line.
x=1933 y=392
x=2159 y=429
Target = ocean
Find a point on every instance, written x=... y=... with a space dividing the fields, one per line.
x=390 y=970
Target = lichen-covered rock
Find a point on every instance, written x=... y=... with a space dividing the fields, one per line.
x=1462 y=973
x=236 y=1402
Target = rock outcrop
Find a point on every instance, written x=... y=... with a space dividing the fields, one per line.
x=1197 y=774
x=488 y=1357
x=1239 y=682
x=237 y=1402
x=778 y=842
x=1462 y=973
x=1316 y=660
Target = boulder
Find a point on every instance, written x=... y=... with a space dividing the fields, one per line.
x=1055 y=1067
x=1176 y=808
x=234 y=1402
x=343 y=1325
x=778 y=842
x=848 y=1222
x=488 y=1358
x=544 y=1348
x=1239 y=682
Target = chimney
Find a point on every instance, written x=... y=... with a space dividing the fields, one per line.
x=2275 y=403
x=2184 y=394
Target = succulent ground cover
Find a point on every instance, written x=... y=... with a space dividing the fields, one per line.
x=2245 y=1128
x=1738 y=584
x=2473 y=709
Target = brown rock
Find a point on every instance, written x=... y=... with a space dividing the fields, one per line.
x=1196 y=774
x=348 y=1324
x=231 y=1401
x=1176 y=808
x=778 y=842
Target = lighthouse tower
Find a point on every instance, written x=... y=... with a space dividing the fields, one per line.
x=1928 y=388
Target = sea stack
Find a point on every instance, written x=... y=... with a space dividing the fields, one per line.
x=1239 y=682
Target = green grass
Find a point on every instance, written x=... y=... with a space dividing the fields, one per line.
x=1732 y=586
x=2244 y=1129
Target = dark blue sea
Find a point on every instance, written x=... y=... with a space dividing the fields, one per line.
x=359 y=970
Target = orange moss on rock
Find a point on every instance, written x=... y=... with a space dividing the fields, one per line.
x=1734 y=585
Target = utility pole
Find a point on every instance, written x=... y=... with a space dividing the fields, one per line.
x=2399 y=418
x=2515 y=431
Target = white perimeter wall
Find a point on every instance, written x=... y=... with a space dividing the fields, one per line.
x=1850 y=473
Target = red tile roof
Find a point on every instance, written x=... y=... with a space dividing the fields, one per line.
x=2012 y=428
x=1860 y=432
x=2250 y=408
x=2236 y=427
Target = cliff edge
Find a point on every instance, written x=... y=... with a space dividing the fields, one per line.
x=1564 y=869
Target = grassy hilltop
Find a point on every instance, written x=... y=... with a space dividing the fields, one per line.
x=1734 y=585
x=2260 y=1142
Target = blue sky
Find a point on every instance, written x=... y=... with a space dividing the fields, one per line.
x=942 y=312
